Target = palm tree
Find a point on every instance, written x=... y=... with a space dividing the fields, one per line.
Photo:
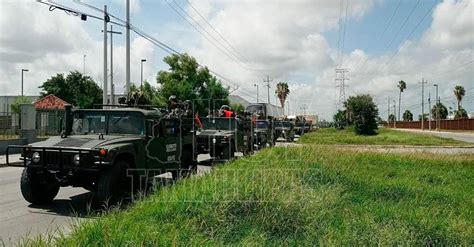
x=402 y=86
x=459 y=92
x=282 y=92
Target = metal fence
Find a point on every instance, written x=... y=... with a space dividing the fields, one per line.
x=454 y=124
x=47 y=122
x=9 y=125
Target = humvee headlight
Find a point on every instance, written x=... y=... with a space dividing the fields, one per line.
x=77 y=159
x=214 y=140
x=36 y=157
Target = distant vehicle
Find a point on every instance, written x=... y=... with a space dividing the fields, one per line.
x=264 y=110
x=299 y=122
x=101 y=149
x=264 y=133
x=284 y=129
x=222 y=137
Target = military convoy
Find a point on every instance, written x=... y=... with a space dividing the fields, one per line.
x=115 y=151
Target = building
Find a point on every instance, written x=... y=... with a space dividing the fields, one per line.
x=235 y=99
x=6 y=102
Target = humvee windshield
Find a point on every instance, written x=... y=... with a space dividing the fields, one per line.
x=283 y=124
x=218 y=123
x=262 y=124
x=107 y=123
x=254 y=108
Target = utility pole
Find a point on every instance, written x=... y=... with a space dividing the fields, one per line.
x=256 y=85
x=423 y=82
x=141 y=73
x=127 y=49
x=22 y=70
x=112 y=85
x=304 y=110
x=104 y=89
x=394 y=117
x=84 y=65
x=429 y=112
x=437 y=103
x=388 y=112
x=268 y=87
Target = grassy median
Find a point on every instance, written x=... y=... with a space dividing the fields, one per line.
x=385 y=137
x=301 y=195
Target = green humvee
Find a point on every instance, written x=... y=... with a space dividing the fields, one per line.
x=284 y=129
x=263 y=133
x=222 y=137
x=107 y=151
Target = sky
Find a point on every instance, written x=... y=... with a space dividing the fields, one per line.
x=302 y=42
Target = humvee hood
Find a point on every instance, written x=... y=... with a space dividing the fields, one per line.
x=84 y=141
x=216 y=132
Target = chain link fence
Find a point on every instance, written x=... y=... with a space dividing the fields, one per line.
x=47 y=122
x=9 y=125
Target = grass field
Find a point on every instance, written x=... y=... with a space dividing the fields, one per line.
x=301 y=195
x=385 y=137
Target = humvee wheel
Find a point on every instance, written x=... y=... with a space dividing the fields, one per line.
x=188 y=165
x=228 y=152
x=112 y=185
x=37 y=190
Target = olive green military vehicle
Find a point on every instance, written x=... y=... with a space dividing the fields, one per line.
x=221 y=137
x=284 y=129
x=263 y=133
x=107 y=151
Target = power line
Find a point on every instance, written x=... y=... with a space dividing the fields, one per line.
x=344 y=34
x=411 y=33
x=139 y=32
x=221 y=47
x=215 y=30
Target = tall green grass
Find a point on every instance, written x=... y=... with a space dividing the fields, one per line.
x=301 y=195
x=384 y=137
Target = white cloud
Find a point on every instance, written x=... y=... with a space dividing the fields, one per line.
x=50 y=42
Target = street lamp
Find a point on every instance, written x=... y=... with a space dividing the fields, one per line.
x=22 y=70
x=256 y=85
x=141 y=78
x=437 y=107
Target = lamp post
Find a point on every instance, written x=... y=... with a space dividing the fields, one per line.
x=256 y=85
x=437 y=107
x=22 y=70
x=141 y=78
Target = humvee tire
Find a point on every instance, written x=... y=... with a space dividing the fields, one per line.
x=188 y=165
x=228 y=152
x=111 y=185
x=36 y=191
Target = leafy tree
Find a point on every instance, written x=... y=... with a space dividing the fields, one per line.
x=407 y=116
x=238 y=108
x=146 y=95
x=425 y=117
x=75 y=89
x=282 y=92
x=340 y=121
x=459 y=92
x=402 y=86
x=16 y=106
x=441 y=109
x=391 y=118
x=460 y=114
x=364 y=113
x=187 y=80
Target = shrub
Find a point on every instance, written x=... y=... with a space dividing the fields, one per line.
x=363 y=112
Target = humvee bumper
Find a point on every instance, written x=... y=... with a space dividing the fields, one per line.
x=58 y=158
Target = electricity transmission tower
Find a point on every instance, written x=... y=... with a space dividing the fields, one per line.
x=341 y=84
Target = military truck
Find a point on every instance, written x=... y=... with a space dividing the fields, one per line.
x=299 y=123
x=264 y=110
x=221 y=137
x=284 y=129
x=107 y=151
x=263 y=133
